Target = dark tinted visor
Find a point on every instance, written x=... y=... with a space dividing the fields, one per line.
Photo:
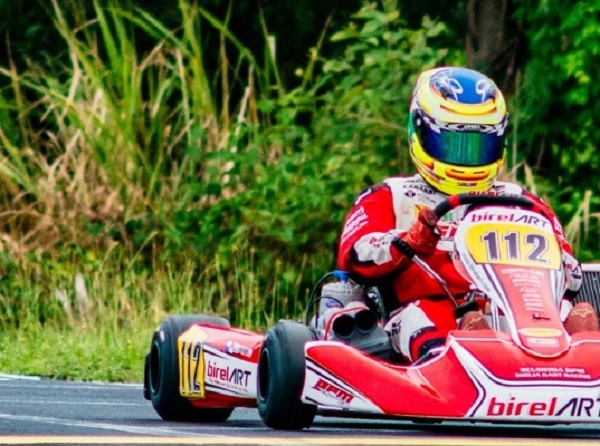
x=462 y=148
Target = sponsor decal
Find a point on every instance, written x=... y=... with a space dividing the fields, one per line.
x=541 y=332
x=236 y=348
x=528 y=219
x=424 y=189
x=528 y=277
x=413 y=180
x=542 y=342
x=376 y=242
x=574 y=407
x=484 y=192
x=228 y=374
x=357 y=219
x=331 y=303
x=576 y=373
x=447 y=230
x=234 y=377
x=339 y=394
x=469 y=127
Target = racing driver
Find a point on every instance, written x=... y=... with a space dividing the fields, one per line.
x=457 y=131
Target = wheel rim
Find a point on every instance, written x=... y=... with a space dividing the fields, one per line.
x=263 y=376
x=154 y=369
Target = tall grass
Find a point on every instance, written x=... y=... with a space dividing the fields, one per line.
x=114 y=151
x=122 y=135
x=96 y=321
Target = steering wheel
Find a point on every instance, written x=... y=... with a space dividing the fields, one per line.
x=446 y=206
x=454 y=201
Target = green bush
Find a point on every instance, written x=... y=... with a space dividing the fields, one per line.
x=556 y=110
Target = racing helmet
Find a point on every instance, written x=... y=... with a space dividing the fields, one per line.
x=457 y=129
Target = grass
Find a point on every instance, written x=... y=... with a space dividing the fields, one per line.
x=102 y=205
x=89 y=353
x=95 y=322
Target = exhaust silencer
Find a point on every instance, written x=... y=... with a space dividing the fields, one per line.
x=343 y=326
x=346 y=325
x=365 y=320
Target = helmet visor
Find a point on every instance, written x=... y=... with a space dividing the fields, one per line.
x=462 y=148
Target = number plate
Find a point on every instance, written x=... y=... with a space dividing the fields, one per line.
x=511 y=244
x=191 y=365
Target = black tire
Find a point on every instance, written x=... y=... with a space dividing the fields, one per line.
x=281 y=377
x=162 y=374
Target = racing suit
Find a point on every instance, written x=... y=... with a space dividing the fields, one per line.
x=384 y=212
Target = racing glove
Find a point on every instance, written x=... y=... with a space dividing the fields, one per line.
x=422 y=236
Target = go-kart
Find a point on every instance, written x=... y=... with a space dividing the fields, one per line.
x=527 y=368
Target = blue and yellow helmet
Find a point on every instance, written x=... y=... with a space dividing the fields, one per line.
x=457 y=129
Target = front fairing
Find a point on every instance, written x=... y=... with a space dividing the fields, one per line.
x=512 y=256
x=527 y=370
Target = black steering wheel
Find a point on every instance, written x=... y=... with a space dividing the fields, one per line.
x=454 y=201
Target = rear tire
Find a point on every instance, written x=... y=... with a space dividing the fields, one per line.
x=162 y=372
x=281 y=377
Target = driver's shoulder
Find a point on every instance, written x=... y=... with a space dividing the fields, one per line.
x=409 y=186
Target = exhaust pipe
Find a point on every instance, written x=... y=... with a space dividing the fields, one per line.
x=365 y=320
x=345 y=325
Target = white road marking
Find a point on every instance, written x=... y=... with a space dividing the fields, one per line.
x=5 y=377
x=71 y=385
x=304 y=441
x=69 y=403
x=142 y=430
x=83 y=384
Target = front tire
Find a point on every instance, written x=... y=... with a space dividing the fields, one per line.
x=162 y=372
x=281 y=377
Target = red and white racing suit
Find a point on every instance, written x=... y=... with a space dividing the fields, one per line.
x=425 y=315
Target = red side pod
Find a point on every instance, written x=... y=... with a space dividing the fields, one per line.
x=441 y=388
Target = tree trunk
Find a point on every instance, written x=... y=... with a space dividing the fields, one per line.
x=494 y=41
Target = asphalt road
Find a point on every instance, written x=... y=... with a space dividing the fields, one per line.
x=39 y=411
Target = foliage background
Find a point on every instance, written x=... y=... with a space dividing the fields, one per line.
x=154 y=161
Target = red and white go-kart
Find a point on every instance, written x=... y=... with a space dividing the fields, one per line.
x=526 y=369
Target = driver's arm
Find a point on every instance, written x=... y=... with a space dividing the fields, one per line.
x=370 y=244
x=366 y=242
